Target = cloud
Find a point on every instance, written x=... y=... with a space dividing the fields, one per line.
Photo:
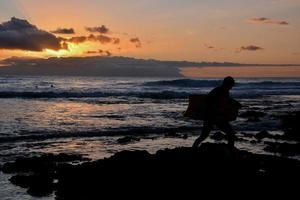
x=209 y=46
x=250 y=48
x=103 y=39
x=101 y=52
x=64 y=31
x=91 y=52
x=264 y=20
x=137 y=42
x=78 y=39
x=18 y=34
x=104 y=53
x=98 y=29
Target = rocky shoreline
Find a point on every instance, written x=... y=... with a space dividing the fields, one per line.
x=168 y=171
x=140 y=170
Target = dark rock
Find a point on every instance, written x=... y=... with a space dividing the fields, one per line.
x=253 y=142
x=171 y=169
x=252 y=114
x=291 y=126
x=39 y=164
x=218 y=136
x=38 y=184
x=167 y=171
x=38 y=173
x=250 y=135
x=185 y=136
x=254 y=119
x=127 y=140
x=176 y=135
x=285 y=149
x=262 y=135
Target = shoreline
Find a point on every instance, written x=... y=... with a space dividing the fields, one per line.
x=167 y=168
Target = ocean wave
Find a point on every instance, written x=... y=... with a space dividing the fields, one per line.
x=190 y=83
x=184 y=83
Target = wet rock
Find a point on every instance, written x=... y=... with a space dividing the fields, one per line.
x=38 y=184
x=254 y=119
x=169 y=169
x=262 y=135
x=176 y=135
x=162 y=172
x=38 y=173
x=247 y=134
x=185 y=136
x=252 y=116
x=253 y=142
x=128 y=139
x=39 y=164
x=218 y=136
x=285 y=149
x=249 y=114
x=265 y=134
x=291 y=126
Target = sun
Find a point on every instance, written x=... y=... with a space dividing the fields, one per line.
x=73 y=50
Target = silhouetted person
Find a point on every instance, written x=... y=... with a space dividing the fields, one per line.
x=217 y=98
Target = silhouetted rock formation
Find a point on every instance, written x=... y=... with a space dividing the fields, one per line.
x=168 y=171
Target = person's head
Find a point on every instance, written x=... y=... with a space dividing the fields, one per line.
x=228 y=82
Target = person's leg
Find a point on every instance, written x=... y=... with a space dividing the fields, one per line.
x=228 y=130
x=207 y=127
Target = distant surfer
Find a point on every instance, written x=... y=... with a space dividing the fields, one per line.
x=220 y=108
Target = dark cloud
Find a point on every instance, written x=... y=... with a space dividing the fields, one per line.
x=64 y=31
x=264 y=20
x=101 y=52
x=104 y=53
x=78 y=39
x=103 y=39
x=137 y=42
x=250 y=48
x=20 y=34
x=98 y=29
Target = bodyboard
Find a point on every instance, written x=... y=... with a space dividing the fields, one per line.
x=225 y=110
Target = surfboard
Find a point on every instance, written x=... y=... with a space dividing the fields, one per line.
x=225 y=109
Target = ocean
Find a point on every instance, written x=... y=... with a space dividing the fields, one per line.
x=87 y=115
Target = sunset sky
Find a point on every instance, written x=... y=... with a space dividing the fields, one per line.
x=248 y=31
